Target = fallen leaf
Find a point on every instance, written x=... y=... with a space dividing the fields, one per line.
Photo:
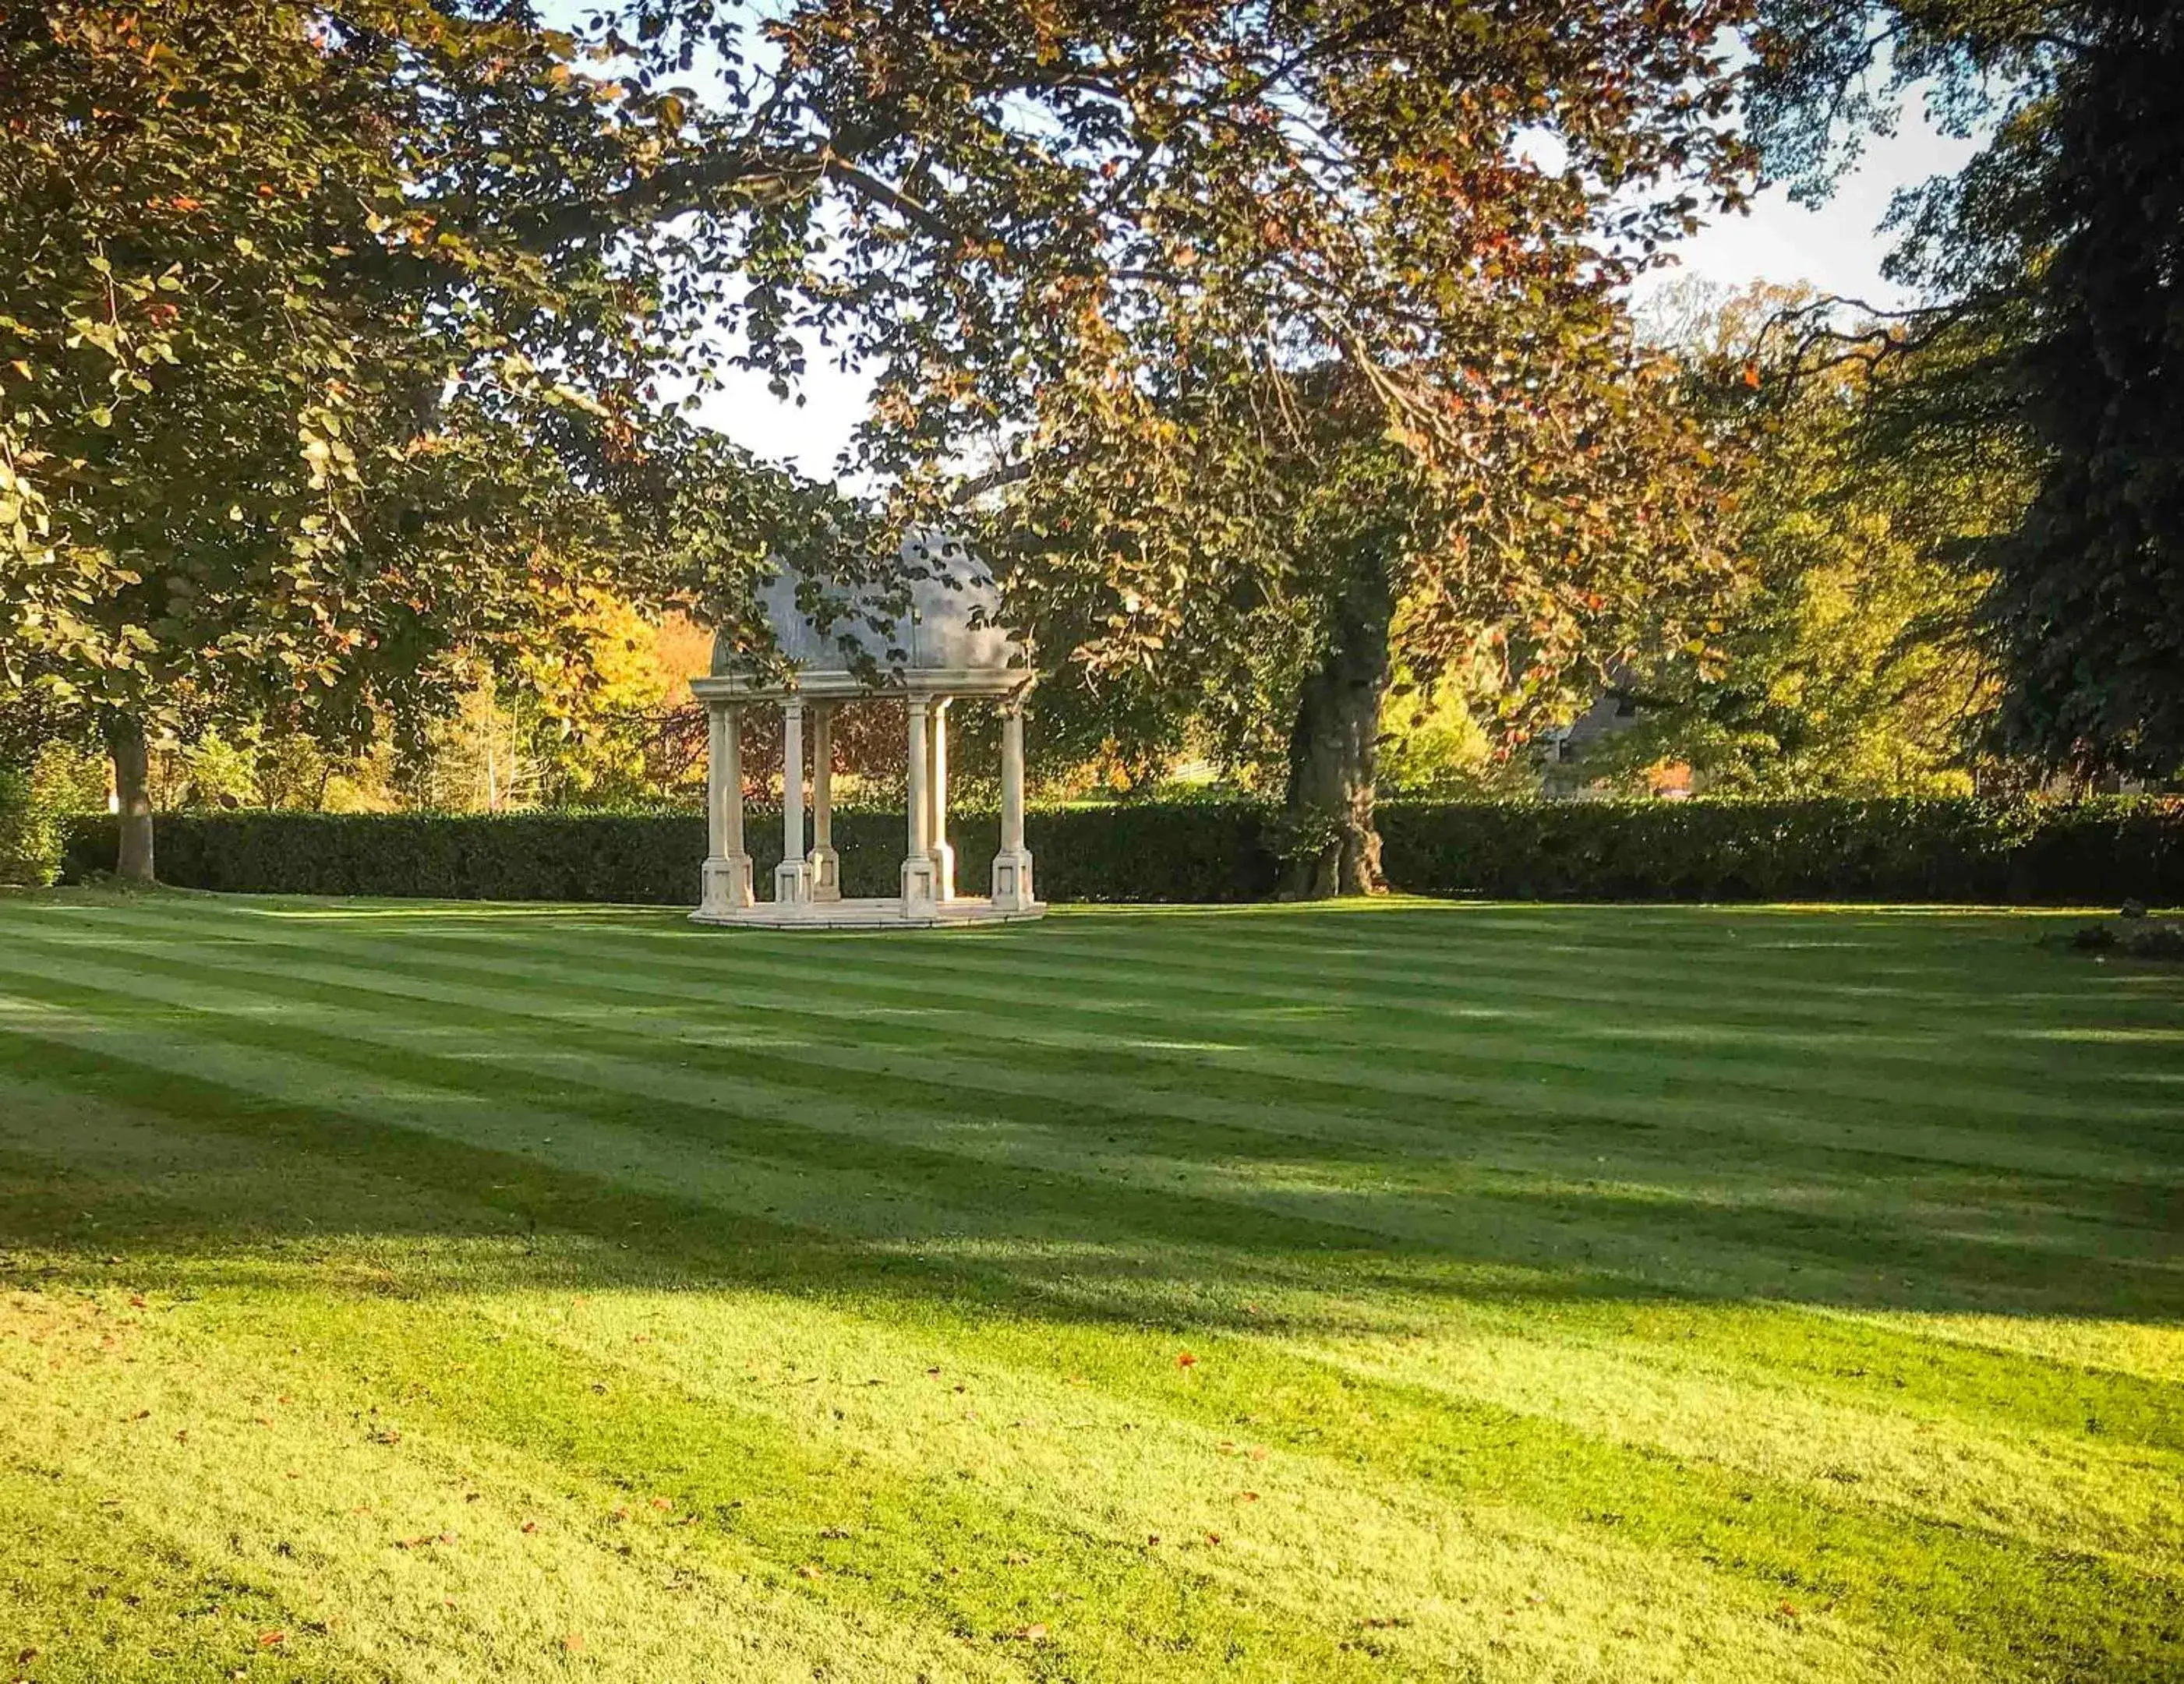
x=573 y=1643
x=271 y=1640
x=1247 y=1497
x=1258 y=1453
x=1213 y=1538
x=531 y=1526
x=137 y=1301
x=663 y=1503
x=1032 y=1634
x=1186 y=1360
x=808 y=1572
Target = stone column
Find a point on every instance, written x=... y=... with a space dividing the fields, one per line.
x=944 y=856
x=1012 y=889
x=826 y=863
x=727 y=879
x=792 y=878
x=918 y=889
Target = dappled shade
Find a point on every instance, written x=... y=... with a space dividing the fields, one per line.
x=1569 y=1293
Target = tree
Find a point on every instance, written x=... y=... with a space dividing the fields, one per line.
x=1090 y=252
x=1081 y=249
x=1848 y=662
x=2052 y=267
x=300 y=416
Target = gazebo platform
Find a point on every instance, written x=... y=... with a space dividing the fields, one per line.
x=876 y=913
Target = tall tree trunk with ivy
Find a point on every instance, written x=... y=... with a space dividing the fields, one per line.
x=1330 y=844
x=132 y=787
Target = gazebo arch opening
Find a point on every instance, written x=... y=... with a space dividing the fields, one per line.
x=953 y=649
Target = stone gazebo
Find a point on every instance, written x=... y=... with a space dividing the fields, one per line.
x=954 y=648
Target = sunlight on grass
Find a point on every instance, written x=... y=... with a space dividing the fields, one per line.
x=1497 y=1293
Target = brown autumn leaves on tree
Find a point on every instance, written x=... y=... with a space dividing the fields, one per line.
x=311 y=407
x=1100 y=259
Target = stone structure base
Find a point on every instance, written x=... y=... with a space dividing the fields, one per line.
x=1012 y=878
x=870 y=914
x=726 y=885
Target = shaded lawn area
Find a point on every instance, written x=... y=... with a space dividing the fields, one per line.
x=435 y=1292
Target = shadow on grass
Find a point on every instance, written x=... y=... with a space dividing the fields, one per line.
x=1228 y=1178
x=494 y=1105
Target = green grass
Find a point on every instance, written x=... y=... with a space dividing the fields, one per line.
x=448 y=1292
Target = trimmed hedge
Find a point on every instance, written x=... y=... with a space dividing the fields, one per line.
x=2100 y=851
x=2095 y=852
x=1158 y=853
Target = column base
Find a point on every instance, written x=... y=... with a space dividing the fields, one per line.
x=792 y=883
x=919 y=888
x=1012 y=890
x=724 y=884
x=944 y=871
x=826 y=875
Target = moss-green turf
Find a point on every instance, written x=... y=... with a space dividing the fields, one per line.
x=1371 y=1292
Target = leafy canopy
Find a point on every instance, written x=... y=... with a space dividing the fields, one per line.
x=2052 y=271
x=300 y=413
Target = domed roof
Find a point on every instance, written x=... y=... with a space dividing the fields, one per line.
x=952 y=625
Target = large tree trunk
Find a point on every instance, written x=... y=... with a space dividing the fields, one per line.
x=1334 y=754
x=132 y=784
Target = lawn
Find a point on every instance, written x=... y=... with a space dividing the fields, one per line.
x=453 y=1292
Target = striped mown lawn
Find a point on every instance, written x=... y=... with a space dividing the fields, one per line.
x=458 y=1292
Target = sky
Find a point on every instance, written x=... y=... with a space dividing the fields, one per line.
x=1835 y=249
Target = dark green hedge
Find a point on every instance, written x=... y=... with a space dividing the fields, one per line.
x=1158 y=853
x=2095 y=852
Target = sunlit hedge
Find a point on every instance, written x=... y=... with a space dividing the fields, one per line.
x=2100 y=853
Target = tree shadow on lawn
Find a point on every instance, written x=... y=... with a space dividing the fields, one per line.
x=1372 y=1203
x=799 y=1210
x=1293 y=1263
